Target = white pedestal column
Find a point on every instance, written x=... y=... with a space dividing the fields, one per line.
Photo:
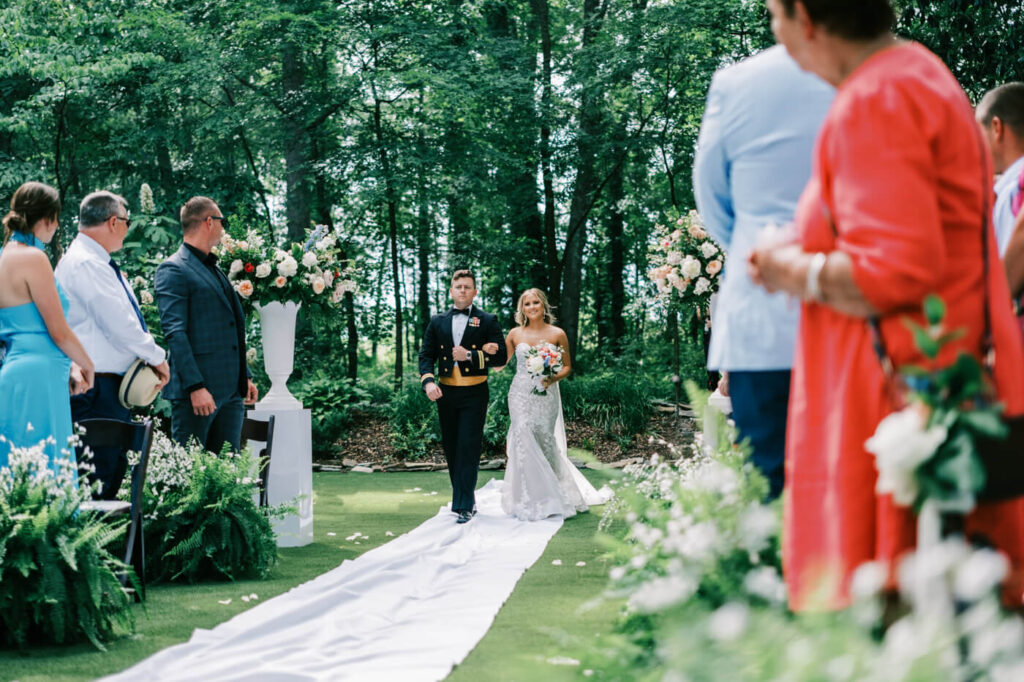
x=291 y=472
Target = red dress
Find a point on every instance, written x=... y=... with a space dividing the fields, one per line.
x=900 y=170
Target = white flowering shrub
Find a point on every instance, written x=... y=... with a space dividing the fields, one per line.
x=201 y=519
x=699 y=573
x=58 y=581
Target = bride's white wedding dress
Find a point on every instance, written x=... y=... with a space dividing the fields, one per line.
x=540 y=481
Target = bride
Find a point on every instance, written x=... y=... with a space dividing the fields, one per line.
x=540 y=481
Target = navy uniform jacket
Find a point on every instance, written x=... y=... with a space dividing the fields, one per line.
x=481 y=329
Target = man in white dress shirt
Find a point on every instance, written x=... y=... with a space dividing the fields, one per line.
x=1001 y=117
x=105 y=315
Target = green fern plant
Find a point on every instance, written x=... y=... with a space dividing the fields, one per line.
x=58 y=581
x=203 y=523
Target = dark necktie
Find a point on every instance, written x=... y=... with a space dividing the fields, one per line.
x=131 y=299
x=456 y=311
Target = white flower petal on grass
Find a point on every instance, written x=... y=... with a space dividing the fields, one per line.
x=581 y=563
x=254 y=596
x=389 y=534
x=245 y=597
x=562 y=660
x=331 y=535
x=416 y=490
x=225 y=602
x=556 y=562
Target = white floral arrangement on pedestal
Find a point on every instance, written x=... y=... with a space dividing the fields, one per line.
x=308 y=273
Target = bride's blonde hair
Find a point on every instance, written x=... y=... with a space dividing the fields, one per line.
x=521 y=314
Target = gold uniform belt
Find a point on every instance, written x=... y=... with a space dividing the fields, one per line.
x=457 y=379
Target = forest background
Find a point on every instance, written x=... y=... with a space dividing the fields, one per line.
x=535 y=141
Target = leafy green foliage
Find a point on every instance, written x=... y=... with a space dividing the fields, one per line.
x=619 y=403
x=336 y=403
x=202 y=521
x=58 y=580
x=415 y=429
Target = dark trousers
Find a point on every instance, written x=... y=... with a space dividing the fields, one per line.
x=212 y=431
x=463 y=411
x=101 y=401
x=760 y=401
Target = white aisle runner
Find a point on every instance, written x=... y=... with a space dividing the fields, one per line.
x=408 y=610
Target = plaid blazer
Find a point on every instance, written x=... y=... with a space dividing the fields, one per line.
x=204 y=328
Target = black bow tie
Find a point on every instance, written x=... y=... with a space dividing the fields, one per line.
x=464 y=311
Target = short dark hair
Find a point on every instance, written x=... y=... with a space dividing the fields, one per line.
x=1006 y=102
x=193 y=210
x=96 y=208
x=462 y=274
x=31 y=202
x=850 y=19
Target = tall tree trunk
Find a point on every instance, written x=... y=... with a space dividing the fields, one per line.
x=616 y=252
x=324 y=205
x=423 y=239
x=553 y=266
x=293 y=79
x=585 y=189
x=392 y=208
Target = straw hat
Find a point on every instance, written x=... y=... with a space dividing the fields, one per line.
x=140 y=385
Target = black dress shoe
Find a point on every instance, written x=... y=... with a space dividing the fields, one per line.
x=464 y=517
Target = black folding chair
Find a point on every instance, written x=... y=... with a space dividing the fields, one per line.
x=263 y=432
x=136 y=436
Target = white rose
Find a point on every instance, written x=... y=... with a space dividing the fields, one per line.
x=280 y=255
x=708 y=249
x=243 y=245
x=319 y=285
x=146 y=297
x=690 y=268
x=287 y=267
x=702 y=285
x=263 y=270
x=328 y=277
x=236 y=267
x=309 y=259
x=900 y=444
x=535 y=364
x=674 y=258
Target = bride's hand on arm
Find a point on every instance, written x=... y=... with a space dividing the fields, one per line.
x=510 y=347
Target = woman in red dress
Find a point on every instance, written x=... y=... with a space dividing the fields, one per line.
x=893 y=212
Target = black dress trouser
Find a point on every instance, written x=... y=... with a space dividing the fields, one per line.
x=462 y=411
x=101 y=402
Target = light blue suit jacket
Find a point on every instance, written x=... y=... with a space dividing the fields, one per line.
x=753 y=160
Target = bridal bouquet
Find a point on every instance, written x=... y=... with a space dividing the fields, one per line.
x=543 y=360
x=687 y=261
x=307 y=273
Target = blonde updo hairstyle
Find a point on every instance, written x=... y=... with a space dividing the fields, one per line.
x=521 y=320
x=32 y=202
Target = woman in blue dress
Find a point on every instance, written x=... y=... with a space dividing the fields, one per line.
x=35 y=384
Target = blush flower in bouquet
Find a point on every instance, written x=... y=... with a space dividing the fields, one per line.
x=687 y=262
x=308 y=273
x=543 y=360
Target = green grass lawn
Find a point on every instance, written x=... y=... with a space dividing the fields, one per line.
x=540 y=614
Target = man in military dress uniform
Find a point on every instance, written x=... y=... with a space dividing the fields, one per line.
x=464 y=343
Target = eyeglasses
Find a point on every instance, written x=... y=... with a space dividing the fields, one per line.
x=127 y=221
x=223 y=220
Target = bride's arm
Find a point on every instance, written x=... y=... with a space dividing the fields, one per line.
x=563 y=343
x=510 y=348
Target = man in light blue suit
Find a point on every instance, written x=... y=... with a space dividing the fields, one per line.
x=753 y=160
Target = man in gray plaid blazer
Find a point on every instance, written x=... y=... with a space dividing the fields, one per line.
x=204 y=328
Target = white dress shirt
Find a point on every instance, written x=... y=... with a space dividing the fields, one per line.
x=459 y=323
x=100 y=313
x=1002 y=215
